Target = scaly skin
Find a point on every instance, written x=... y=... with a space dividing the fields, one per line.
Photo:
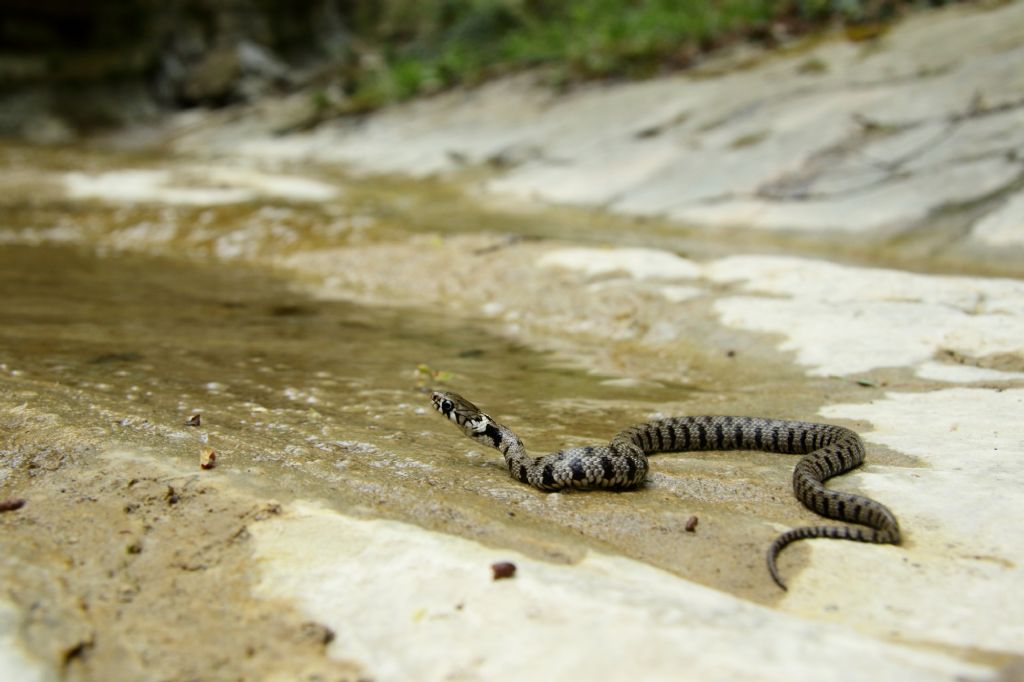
x=621 y=464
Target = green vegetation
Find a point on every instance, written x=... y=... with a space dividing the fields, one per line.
x=409 y=47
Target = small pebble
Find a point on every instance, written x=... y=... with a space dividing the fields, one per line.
x=208 y=458
x=194 y=420
x=503 y=569
x=691 y=524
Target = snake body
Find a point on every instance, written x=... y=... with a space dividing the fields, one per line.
x=622 y=464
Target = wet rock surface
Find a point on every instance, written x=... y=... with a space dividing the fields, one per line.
x=777 y=201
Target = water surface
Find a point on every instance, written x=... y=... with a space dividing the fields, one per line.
x=162 y=311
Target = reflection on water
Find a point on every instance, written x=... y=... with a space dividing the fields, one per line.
x=322 y=398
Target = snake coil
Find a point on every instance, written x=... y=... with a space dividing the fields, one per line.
x=621 y=464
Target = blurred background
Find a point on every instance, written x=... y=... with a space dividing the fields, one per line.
x=68 y=67
x=268 y=228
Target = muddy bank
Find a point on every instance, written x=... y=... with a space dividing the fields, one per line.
x=123 y=566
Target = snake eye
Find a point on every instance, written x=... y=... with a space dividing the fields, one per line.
x=446 y=406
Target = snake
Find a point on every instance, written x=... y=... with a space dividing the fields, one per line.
x=827 y=450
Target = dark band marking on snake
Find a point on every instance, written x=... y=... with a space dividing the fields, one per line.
x=621 y=464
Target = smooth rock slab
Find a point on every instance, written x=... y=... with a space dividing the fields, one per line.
x=634 y=262
x=416 y=605
x=881 y=202
x=956 y=578
x=840 y=319
x=15 y=662
x=843 y=136
x=197 y=186
x=964 y=374
x=844 y=320
x=1004 y=226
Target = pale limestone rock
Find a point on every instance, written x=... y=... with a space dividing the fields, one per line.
x=838 y=319
x=412 y=604
x=198 y=186
x=635 y=262
x=880 y=136
x=15 y=662
x=843 y=320
x=964 y=374
x=1004 y=226
x=963 y=553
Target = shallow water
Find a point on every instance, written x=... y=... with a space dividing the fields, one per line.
x=162 y=338
x=307 y=398
x=309 y=392
x=311 y=399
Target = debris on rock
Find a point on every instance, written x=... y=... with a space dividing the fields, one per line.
x=503 y=569
x=11 y=505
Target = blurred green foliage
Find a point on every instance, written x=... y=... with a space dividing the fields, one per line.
x=409 y=47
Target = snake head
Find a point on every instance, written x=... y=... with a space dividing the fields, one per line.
x=465 y=414
x=446 y=403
